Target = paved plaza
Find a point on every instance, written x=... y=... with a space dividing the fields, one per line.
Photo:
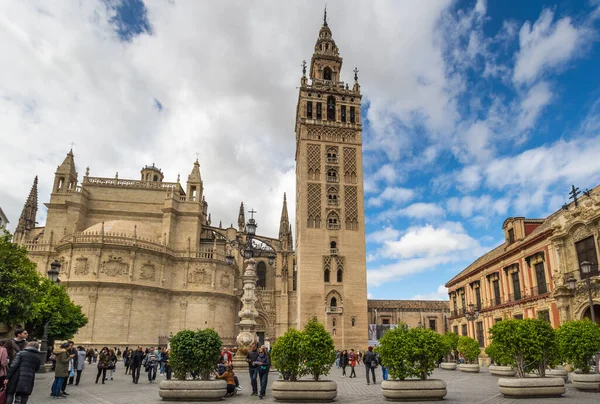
x=462 y=388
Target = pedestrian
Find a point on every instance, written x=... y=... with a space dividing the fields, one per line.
x=384 y=371
x=337 y=359
x=353 y=360
x=370 y=361
x=20 y=378
x=81 y=354
x=103 y=361
x=90 y=354
x=11 y=351
x=112 y=363
x=62 y=358
x=136 y=358
x=73 y=364
x=4 y=359
x=264 y=364
x=150 y=365
x=344 y=362
x=229 y=377
x=168 y=369
x=227 y=356
x=161 y=359
x=20 y=339
x=253 y=368
x=127 y=359
x=95 y=357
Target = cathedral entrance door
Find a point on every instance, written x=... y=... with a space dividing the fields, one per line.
x=261 y=338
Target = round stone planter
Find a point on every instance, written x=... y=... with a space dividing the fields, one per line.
x=469 y=367
x=531 y=387
x=448 y=365
x=414 y=390
x=504 y=371
x=304 y=390
x=192 y=390
x=588 y=382
x=562 y=373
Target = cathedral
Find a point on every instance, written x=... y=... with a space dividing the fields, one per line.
x=143 y=260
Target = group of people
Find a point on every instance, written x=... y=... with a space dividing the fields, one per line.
x=151 y=359
x=371 y=361
x=259 y=363
x=19 y=361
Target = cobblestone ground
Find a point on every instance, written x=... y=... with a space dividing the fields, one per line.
x=462 y=388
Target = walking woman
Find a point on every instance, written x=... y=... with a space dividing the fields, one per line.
x=21 y=375
x=353 y=360
x=344 y=362
x=112 y=362
x=61 y=369
x=264 y=363
x=103 y=359
x=81 y=354
x=4 y=359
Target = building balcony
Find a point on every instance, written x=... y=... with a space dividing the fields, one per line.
x=331 y=178
x=333 y=202
x=333 y=251
x=333 y=226
x=332 y=160
x=334 y=310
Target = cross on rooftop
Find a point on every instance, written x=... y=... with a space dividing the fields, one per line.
x=574 y=193
x=252 y=212
x=72 y=144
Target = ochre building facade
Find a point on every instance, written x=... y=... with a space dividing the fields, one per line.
x=527 y=276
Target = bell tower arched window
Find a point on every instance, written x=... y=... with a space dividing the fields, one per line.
x=333 y=322
x=326 y=276
x=327 y=73
x=340 y=276
x=333 y=221
x=331 y=108
x=261 y=272
x=333 y=244
x=333 y=302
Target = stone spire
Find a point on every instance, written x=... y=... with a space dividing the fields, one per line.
x=65 y=177
x=194 y=186
x=27 y=219
x=284 y=222
x=195 y=174
x=241 y=218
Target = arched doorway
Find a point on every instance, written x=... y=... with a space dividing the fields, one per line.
x=587 y=313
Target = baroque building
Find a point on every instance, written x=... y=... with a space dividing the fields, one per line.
x=528 y=275
x=330 y=231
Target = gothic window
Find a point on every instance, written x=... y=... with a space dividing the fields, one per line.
x=352 y=115
x=332 y=196
x=309 y=114
x=332 y=156
x=586 y=251
x=540 y=276
x=332 y=175
x=333 y=221
x=261 y=272
x=333 y=322
x=319 y=114
x=331 y=108
x=333 y=302
x=340 y=275
x=333 y=244
x=326 y=275
x=343 y=112
x=327 y=72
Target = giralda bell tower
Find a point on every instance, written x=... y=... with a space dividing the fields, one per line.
x=330 y=232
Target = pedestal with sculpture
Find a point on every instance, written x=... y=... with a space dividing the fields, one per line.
x=248 y=314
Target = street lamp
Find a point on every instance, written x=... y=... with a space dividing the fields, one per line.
x=53 y=273
x=472 y=314
x=251 y=247
x=586 y=269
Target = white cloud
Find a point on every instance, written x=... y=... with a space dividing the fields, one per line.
x=469 y=177
x=544 y=46
x=422 y=210
x=397 y=195
x=467 y=206
x=537 y=98
x=440 y=294
x=385 y=234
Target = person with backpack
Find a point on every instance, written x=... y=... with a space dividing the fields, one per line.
x=150 y=365
x=371 y=363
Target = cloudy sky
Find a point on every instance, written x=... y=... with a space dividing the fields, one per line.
x=473 y=112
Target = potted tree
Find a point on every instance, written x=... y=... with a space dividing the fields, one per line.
x=411 y=355
x=450 y=341
x=499 y=367
x=307 y=353
x=469 y=349
x=529 y=346
x=194 y=354
x=578 y=341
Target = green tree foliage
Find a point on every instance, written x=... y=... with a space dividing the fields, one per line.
x=450 y=341
x=498 y=355
x=528 y=345
x=27 y=298
x=195 y=351
x=318 y=350
x=410 y=353
x=54 y=306
x=468 y=348
x=287 y=354
x=19 y=283
x=577 y=342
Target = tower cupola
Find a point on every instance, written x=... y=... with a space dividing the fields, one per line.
x=152 y=174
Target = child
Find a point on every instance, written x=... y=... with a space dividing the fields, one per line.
x=230 y=378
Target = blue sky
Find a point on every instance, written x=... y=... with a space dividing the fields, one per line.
x=473 y=111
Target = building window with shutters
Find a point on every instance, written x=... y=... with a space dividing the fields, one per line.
x=516 y=286
x=497 y=298
x=586 y=251
x=309 y=113
x=511 y=236
x=544 y=315
x=540 y=276
x=455 y=329
x=478 y=297
x=464 y=330
x=479 y=328
x=432 y=324
x=518 y=316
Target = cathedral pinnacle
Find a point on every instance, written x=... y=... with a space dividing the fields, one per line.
x=241 y=218
x=285 y=221
x=325 y=16
x=29 y=213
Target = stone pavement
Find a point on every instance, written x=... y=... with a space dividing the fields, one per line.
x=462 y=388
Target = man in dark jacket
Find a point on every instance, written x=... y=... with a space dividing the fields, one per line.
x=136 y=363
x=20 y=339
x=252 y=368
x=370 y=361
x=21 y=375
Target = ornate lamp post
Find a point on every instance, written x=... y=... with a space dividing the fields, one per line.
x=53 y=273
x=471 y=315
x=250 y=248
x=586 y=269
